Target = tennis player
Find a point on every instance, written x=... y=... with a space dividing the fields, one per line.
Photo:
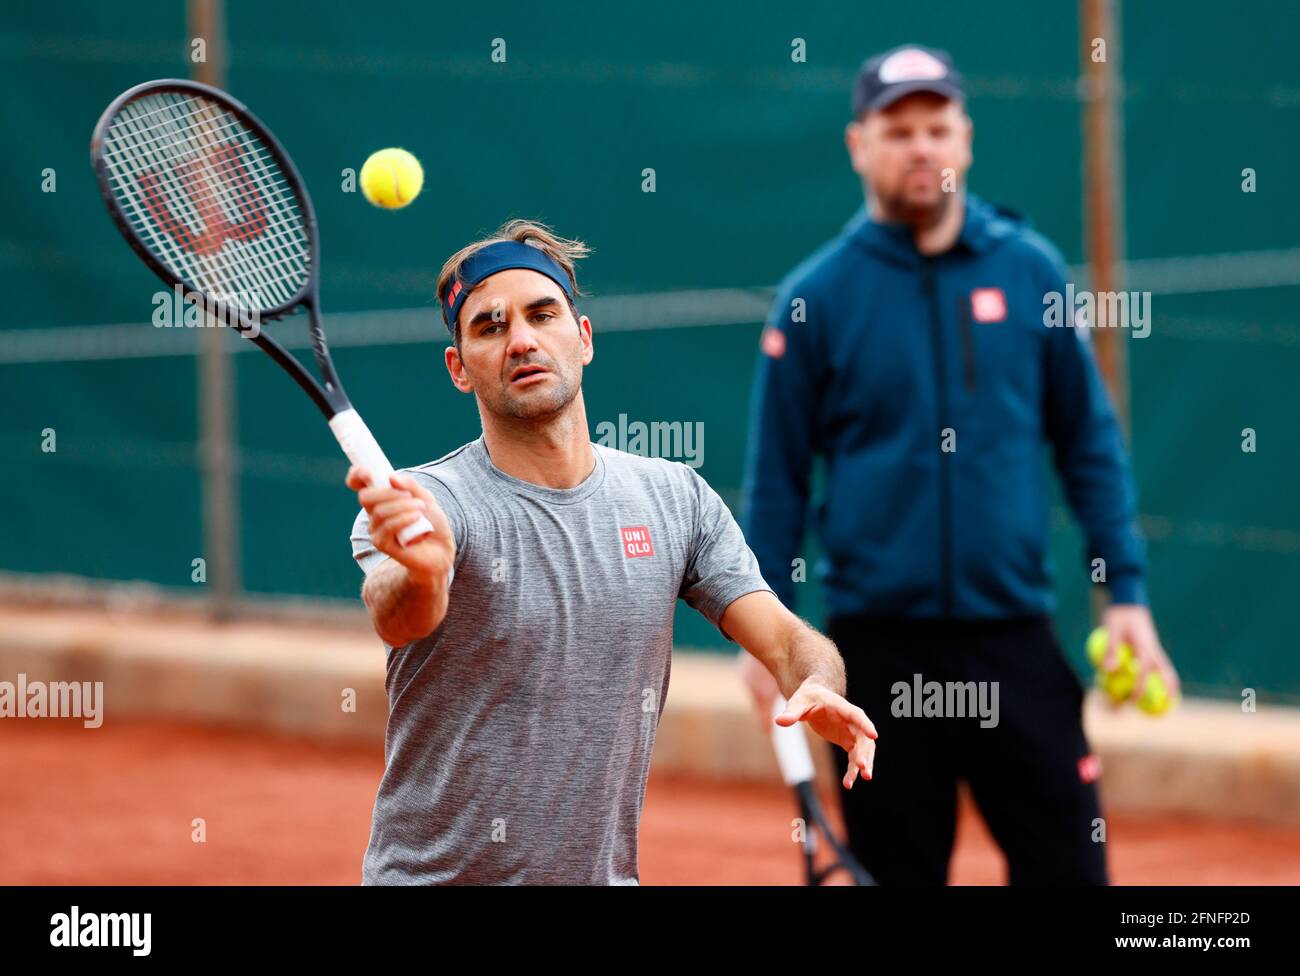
x=529 y=636
x=912 y=354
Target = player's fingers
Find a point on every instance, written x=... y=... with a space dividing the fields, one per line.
x=857 y=718
x=794 y=709
x=854 y=718
x=861 y=757
x=357 y=478
x=406 y=483
x=437 y=518
x=798 y=711
x=384 y=534
x=395 y=506
x=374 y=494
x=868 y=757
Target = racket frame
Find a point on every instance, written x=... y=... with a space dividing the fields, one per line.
x=349 y=429
x=327 y=393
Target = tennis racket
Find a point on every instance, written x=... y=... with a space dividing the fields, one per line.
x=209 y=199
x=797 y=770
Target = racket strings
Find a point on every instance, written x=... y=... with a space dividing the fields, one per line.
x=169 y=241
x=207 y=211
x=224 y=193
x=260 y=284
x=204 y=110
x=222 y=167
x=210 y=145
x=206 y=196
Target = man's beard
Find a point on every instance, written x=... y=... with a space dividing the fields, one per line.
x=897 y=209
x=544 y=404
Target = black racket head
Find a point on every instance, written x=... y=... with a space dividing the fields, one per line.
x=208 y=198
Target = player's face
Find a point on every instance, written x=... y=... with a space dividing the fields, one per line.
x=521 y=351
x=913 y=155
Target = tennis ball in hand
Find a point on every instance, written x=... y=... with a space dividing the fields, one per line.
x=391 y=178
x=1155 y=698
x=1119 y=682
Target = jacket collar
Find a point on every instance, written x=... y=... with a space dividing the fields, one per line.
x=983 y=228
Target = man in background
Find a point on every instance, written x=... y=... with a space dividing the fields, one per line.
x=911 y=355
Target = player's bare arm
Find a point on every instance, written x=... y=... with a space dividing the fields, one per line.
x=807 y=668
x=406 y=596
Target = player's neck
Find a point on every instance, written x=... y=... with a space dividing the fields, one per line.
x=556 y=453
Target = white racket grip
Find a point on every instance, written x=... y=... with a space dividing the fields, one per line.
x=791 y=747
x=364 y=451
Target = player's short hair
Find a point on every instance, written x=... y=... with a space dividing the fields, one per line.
x=562 y=250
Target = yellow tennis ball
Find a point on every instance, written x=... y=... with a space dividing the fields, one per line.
x=1119 y=682
x=1155 y=698
x=1097 y=647
x=391 y=178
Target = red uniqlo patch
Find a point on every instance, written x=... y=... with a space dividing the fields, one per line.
x=636 y=541
x=988 y=305
x=773 y=342
x=1089 y=769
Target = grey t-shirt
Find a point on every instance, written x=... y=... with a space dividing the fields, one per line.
x=519 y=732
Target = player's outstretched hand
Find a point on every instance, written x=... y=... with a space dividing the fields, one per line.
x=393 y=507
x=836 y=720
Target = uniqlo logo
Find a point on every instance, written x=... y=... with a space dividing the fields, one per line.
x=988 y=305
x=636 y=541
x=1089 y=769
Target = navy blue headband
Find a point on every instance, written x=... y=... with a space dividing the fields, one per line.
x=501 y=256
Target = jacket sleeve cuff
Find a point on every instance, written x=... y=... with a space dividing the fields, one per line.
x=1128 y=589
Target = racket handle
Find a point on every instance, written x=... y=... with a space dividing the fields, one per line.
x=364 y=451
x=791 y=747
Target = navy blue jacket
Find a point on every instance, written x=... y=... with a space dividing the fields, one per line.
x=877 y=358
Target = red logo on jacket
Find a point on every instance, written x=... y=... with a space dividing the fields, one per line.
x=636 y=541
x=988 y=305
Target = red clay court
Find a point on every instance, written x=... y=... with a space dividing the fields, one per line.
x=116 y=806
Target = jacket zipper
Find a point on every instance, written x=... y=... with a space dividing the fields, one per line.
x=929 y=286
x=967 y=341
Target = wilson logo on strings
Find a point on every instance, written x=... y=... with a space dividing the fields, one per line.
x=201 y=195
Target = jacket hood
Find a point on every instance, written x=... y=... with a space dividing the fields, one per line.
x=986 y=226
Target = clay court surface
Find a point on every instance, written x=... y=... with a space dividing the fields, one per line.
x=115 y=805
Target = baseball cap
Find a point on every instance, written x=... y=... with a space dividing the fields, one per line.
x=885 y=78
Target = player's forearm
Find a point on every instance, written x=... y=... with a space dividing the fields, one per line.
x=809 y=654
x=403 y=606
